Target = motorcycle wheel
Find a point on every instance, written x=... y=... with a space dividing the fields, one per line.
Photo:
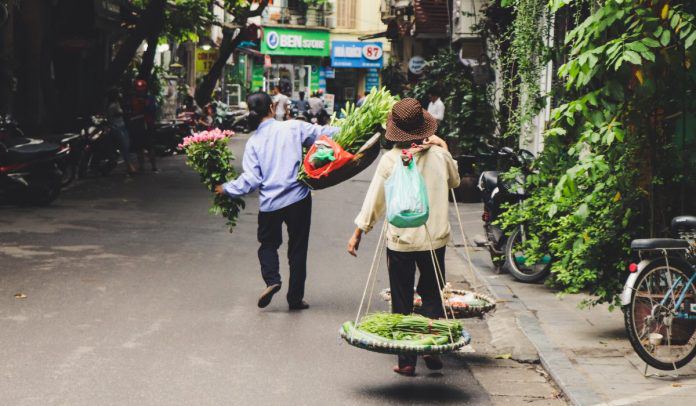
x=40 y=192
x=515 y=262
x=68 y=173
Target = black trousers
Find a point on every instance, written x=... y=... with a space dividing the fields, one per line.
x=297 y=218
x=402 y=274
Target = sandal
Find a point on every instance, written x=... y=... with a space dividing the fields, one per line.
x=405 y=371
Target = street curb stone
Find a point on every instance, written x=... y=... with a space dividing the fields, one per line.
x=573 y=384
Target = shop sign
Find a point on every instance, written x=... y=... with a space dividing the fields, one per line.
x=285 y=41
x=330 y=73
x=371 y=80
x=355 y=54
x=416 y=65
x=205 y=60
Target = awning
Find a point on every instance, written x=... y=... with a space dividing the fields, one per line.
x=250 y=51
x=395 y=29
x=382 y=34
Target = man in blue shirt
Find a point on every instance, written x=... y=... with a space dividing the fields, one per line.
x=272 y=158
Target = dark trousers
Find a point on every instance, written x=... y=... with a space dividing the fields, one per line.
x=297 y=218
x=402 y=274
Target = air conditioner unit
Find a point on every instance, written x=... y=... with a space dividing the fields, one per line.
x=331 y=21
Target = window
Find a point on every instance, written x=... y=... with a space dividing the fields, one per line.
x=345 y=13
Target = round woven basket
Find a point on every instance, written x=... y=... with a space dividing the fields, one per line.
x=457 y=311
x=395 y=347
x=365 y=156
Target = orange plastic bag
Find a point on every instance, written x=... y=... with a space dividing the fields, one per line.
x=341 y=157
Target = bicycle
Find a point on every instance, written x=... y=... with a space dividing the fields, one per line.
x=659 y=297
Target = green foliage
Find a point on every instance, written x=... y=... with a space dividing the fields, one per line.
x=393 y=78
x=609 y=151
x=207 y=153
x=469 y=123
x=515 y=31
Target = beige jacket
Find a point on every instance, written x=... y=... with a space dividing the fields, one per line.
x=440 y=173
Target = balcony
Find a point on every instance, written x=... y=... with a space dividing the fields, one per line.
x=390 y=9
x=295 y=16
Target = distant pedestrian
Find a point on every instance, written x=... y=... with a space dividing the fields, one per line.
x=436 y=107
x=361 y=100
x=411 y=248
x=143 y=110
x=282 y=102
x=302 y=104
x=271 y=159
x=114 y=113
x=207 y=120
x=316 y=104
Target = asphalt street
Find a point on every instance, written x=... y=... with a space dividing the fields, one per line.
x=134 y=294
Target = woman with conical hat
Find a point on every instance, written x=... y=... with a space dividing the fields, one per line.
x=409 y=248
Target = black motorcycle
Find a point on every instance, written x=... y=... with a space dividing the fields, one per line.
x=70 y=164
x=100 y=153
x=506 y=250
x=168 y=135
x=29 y=168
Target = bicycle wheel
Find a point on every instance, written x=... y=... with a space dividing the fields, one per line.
x=516 y=261
x=660 y=338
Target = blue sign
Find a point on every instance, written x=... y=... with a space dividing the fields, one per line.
x=371 y=80
x=356 y=54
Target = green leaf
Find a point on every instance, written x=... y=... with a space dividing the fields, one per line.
x=650 y=42
x=690 y=40
x=582 y=212
x=637 y=46
x=633 y=57
x=665 y=37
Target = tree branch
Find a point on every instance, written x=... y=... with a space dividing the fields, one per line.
x=257 y=11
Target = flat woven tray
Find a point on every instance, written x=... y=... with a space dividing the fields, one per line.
x=458 y=310
x=386 y=346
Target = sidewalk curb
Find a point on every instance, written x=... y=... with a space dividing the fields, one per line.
x=573 y=384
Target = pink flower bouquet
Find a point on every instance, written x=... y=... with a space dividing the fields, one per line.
x=208 y=154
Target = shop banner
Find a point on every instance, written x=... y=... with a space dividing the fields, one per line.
x=355 y=54
x=285 y=41
x=371 y=80
x=205 y=60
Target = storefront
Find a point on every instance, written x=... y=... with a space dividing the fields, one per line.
x=354 y=70
x=293 y=60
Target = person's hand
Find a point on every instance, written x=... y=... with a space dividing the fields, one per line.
x=219 y=190
x=354 y=242
x=435 y=140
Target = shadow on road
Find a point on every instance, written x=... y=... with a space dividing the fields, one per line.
x=417 y=392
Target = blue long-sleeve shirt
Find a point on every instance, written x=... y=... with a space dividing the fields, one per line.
x=272 y=158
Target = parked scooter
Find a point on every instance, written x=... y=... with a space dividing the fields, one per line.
x=100 y=153
x=69 y=166
x=169 y=134
x=505 y=250
x=29 y=172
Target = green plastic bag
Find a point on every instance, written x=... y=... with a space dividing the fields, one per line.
x=407 y=197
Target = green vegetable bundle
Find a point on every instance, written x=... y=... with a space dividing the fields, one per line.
x=358 y=123
x=416 y=328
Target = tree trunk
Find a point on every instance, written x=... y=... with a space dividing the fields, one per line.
x=145 y=26
x=7 y=63
x=204 y=90
x=145 y=71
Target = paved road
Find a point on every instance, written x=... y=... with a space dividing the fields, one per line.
x=135 y=295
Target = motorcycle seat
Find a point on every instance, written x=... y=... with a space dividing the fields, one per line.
x=30 y=151
x=62 y=138
x=659 y=244
x=489 y=180
x=683 y=225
